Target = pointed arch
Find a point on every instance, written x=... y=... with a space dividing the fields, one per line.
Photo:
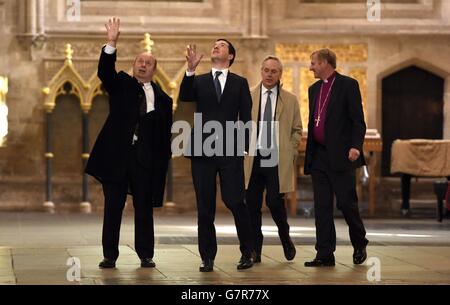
x=67 y=74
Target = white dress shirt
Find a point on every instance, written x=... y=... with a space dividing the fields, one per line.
x=222 y=77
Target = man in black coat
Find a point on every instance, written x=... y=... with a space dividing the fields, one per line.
x=334 y=150
x=221 y=97
x=132 y=151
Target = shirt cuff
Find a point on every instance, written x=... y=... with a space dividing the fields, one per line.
x=109 y=50
x=189 y=73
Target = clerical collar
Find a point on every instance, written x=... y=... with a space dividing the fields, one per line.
x=330 y=78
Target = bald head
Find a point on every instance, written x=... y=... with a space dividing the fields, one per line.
x=144 y=67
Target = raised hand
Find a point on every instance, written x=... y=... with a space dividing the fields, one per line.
x=193 y=59
x=112 y=28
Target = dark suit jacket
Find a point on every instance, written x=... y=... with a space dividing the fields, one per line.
x=108 y=160
x=235 y=104
x=344 y=127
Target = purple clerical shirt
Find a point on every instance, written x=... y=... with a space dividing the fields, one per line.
x=323 y=101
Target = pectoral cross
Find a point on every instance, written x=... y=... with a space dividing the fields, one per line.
x=317 y=121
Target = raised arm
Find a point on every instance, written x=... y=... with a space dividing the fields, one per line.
x=187 y=87
x=106 y=66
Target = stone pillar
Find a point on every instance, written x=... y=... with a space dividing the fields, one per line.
x=446 y=127
x=31 y=19
x=40 y=17
x=257 y=18
x=3 y=110
x=85 y=204
x=49 y=161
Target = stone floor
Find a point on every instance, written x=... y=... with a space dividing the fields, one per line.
x=35 y=248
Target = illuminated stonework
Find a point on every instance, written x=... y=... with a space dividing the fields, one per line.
x=351 y=60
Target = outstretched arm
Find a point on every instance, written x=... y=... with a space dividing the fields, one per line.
x=187 y=87
x=113 y=31
x=106 y=66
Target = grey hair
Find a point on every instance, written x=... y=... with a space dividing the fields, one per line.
x=273 y=57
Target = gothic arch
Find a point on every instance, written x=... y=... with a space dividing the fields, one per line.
x=397 y=63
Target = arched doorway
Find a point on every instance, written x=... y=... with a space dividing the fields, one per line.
x=67 y=139
x=412 y=107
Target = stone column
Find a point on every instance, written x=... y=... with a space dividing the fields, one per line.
x=31 y=18
x=40 y=17
x=85 y=204
x=446 y=127
x=3 y=110
x=257 y=18
x=49 y=161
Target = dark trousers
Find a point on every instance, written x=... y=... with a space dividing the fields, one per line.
x=231 y=174
x=326 y=184
x=266 y=178
x=139 y=181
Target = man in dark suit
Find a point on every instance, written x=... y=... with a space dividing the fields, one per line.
x=132 y=151
x=221 y=97
x=334 y=150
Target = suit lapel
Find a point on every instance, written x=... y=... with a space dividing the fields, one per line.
x=335 y=91
x=157 y=95
x=313 y=100
x=256 y=98
x=228 y=85
x=210 y=86
x=280 y=103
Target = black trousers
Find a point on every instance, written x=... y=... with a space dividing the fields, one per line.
x=326 y=184
x=266 y=178
x=139 y=181
x=232 y=184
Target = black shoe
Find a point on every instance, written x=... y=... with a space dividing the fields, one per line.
x=256 y=258
x=245 y=263
x=359 y=256
x=107 y=263
x=147 y=263
x=289 y=250
x=317 y=262
x=207 y=265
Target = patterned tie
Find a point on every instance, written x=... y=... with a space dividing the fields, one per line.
x=217 y=85
x=267 y=119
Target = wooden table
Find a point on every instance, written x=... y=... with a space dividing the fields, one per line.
x=421 y=158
